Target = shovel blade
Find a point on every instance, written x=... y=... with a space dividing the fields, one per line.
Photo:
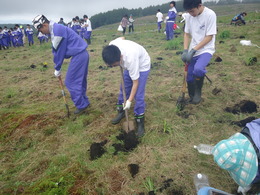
x=181 y=103
x=128 y=126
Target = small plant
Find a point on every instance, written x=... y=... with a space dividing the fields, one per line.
x=173 y=44
x=149 y=185
x=166 y=127
x=251 y=61
x=225 y=34
x=10 y=93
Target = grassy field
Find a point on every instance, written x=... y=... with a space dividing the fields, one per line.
x=44 y=152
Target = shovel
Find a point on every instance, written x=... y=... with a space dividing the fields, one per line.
x=64 y=96
x=181 y=99
x=127 y=125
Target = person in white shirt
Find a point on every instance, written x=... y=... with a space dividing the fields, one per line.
x=202 y=28
x=136 y=62
x=88 y=32
x=159 y=17
x=183 y=17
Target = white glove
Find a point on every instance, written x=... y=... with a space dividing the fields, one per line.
x=57 y=73
x=243 y=190
x=127 y=105
x=167 y=17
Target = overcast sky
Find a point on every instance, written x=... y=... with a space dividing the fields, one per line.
x=23 y=11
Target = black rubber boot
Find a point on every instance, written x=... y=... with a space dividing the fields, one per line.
x=198 y=88
x=139 y=119
x=120 y=114
x=80 y=111
x=191 y=90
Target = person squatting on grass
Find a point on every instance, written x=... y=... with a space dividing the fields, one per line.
x=239 y=19
x=170 y=20
x=202 y=28
x=136 y=62
x=67 y=44
x=240 y=156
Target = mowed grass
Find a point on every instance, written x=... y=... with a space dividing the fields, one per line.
x=44 y=152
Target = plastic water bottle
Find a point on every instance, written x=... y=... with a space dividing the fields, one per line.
x=204 y=148
x=200 y=181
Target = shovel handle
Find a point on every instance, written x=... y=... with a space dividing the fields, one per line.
x=124 y=95
x=64 y=96
x=184 y=86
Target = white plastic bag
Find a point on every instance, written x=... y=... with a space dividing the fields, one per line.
x=120 y=28
x=246 y=42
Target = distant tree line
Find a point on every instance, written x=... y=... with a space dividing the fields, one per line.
x=116 y=15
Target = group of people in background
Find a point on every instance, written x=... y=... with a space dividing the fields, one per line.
x=82 y=26
x=12 y=37
x=16 y=36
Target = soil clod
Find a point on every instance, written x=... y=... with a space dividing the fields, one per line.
x=166 y=184
x=133 y=169
x=245 y=106
x=243 y=122
x=32 y=66
x=216 y=91
x=97 y=150
x=155 y=64
x=130 y=141
x=179 y=52
x=184 y=114
x=233 y=49
x=218 y=59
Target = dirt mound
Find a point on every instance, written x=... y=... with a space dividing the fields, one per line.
x=233 y=49
x=133 y=169
x=245 y=106
x=156 y=64
x=116 y=180
x=130 y=142
x=33 y=66
x=216 y=91
x=97 y=150
x=218 y=59
x=179 y=52
x=243 y=122
x=166 y=184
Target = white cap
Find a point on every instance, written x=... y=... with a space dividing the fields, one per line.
x=38 y=21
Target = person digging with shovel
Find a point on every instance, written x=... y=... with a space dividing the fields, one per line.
x=201 y=26
x=67 y=44
x=136 y=62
